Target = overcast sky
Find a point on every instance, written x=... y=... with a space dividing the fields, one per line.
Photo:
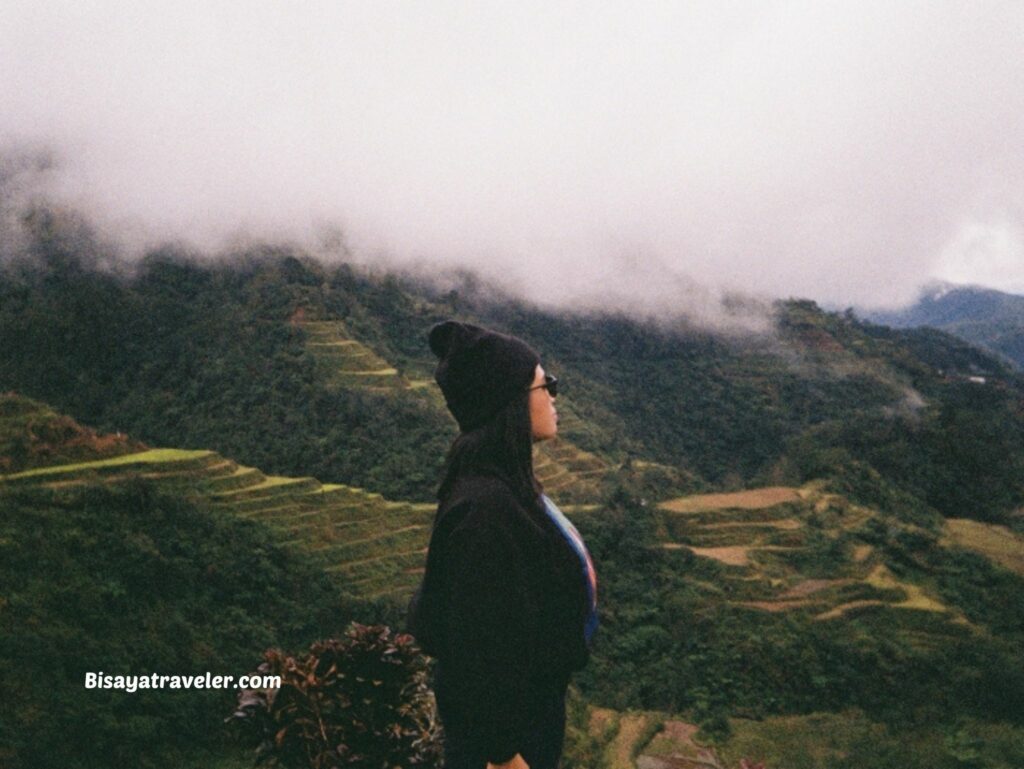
x=843 y=151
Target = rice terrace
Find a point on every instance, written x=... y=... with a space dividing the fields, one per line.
x=789 y=572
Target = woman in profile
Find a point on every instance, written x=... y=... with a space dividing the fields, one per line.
x=508 y=600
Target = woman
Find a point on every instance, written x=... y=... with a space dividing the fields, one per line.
x=508 y=600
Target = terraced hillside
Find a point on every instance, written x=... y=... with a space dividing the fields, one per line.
x=343 y=361
x=997 y=543
x=374 y=547
x=567 y=470
x=801 y=550
x=645 y=740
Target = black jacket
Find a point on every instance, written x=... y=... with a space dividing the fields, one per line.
x=502 y=607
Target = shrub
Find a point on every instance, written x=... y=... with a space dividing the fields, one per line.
x=361 y=701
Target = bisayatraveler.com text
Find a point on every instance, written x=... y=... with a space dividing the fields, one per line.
x=157 y=681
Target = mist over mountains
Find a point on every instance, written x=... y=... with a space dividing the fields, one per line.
x=225 y=231
x=148 y=340
x=815 y=519
x=985 y=317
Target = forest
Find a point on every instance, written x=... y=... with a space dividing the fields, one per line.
x=888 y=434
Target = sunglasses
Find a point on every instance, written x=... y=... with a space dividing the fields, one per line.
x=550 y=384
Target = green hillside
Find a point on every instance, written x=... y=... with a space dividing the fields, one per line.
x=304 y=369
x=272 y=360
x=741 y=623
x=823 y=395
x=814 y=524
x=127 y=580
x=789 y=573
x=372 y=547
x=342 y=361
x=34 y=435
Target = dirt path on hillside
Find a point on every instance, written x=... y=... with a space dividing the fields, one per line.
x=751 y=499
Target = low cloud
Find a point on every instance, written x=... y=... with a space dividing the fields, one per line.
x=653 y=157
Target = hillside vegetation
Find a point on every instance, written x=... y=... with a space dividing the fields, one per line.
x=122 y=579
x=815 y=524
x=731 y=609
x=302 y=369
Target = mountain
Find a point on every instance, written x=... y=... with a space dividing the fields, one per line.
x=849 y=595
x=104 y=570
x=306 y=369
x=985 y=317
x=809 y=538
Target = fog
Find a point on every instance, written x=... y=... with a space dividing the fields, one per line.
x=653 y=156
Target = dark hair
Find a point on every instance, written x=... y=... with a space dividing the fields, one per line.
x=503 y=446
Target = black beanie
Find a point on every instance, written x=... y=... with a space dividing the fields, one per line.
x=479 y=371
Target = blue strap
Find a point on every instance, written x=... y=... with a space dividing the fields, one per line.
x=572 y=536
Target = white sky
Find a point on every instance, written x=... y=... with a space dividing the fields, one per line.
x=843 y=151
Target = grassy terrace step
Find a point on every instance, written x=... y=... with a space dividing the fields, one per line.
x=831 y=594
x=734 y=555
x=265 y=515
x=328 y=531
x=342 y=343
x=336 y=493
x=742 y=536
x=386 y=377
x=357 y=535
x=684 y=531
x=400 y=591
x=342 y=504
x=557 y=476
x=585 y=464
x=329 y=344
x=274 y=485
x=734 y=515
x=380 y=565
x=291 y=517
x=559 y=483
x=260 y=507
x=783 y=524
x=241 y=478
x=214 y=469
x=345 y=362
x=383 y=543
x=752 y=499
x=552 y=471
x=347 y=358
x=576 y=458
x=154 y=460
x=998 y=543
x=347 y=355
x=549 y=470
x=268 y=507
x=407 y=576
x=398 y=587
